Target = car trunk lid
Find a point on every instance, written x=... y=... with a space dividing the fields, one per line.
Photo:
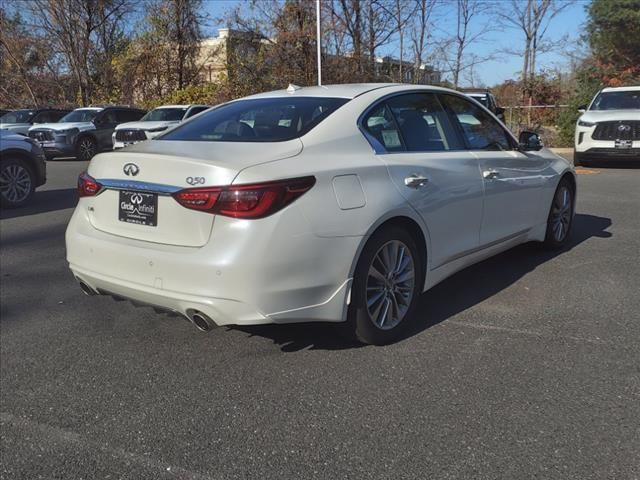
x=156 y=169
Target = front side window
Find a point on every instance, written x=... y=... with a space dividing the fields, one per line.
x=480 y=130
x=43 y=117
x=164 y=115
x=81 y=115
x=109 y=118
x=258 y=120
x=621 y=100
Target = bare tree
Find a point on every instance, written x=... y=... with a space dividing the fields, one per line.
x=402 y=13
x=467 y=33
x=532 y=18
x=72 y=27
x=419 y=31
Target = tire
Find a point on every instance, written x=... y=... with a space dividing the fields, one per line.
x=579 y=160
x=86 y=148
x=560 y=219
x=17 y=182
x=386 y=287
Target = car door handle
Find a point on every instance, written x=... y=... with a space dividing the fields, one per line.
x=415 y=181
x=490 y=174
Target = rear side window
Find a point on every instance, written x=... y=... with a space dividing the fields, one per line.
x=57 y=115
x=381 y=125
x=43 y=117
x=129 y=115
x=258 y=120
x=195 y=111
x=423 y=123
x=480 y=130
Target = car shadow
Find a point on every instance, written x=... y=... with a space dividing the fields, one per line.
x=616 y=164
x=454 y=295
x=43 y=202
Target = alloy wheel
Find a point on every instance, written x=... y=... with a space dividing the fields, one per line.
x=561 y=213
x=15 y=183
x=390 y=285
x=87 y=149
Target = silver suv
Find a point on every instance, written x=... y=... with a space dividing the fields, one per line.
x=22 y=168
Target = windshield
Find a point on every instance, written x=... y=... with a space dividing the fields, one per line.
x=82 y=115
x=480 y=98
x=19 y=116
x=629 y=100
x=164 y=115
x=258 y=120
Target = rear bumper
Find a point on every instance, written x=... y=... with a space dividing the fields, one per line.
x=248 y=273
x=221 y=311
x=632 y=154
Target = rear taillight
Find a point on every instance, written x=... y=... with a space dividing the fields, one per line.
x=87 y=185
x=245 y=201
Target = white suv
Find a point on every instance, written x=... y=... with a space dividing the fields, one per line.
x=610 y=127
x=153 y=124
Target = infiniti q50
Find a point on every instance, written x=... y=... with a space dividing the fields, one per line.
x=338 y=204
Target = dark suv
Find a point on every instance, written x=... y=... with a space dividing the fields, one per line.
x=489 y=101
x=83 y=132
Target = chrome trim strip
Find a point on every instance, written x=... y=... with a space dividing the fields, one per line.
x=119 y=184
x=483 y=247
x=379 y=149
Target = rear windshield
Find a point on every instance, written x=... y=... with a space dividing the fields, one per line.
x=258 y=120
x=19 y=116
x=622 y=100
x=482 y=99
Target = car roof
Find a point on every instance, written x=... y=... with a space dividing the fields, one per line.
x=632 y=88
x=347 y=90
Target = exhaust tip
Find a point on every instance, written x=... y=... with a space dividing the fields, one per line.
x=86 y=288
x=202 y=322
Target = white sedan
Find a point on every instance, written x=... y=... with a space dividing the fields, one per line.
x=339 y=204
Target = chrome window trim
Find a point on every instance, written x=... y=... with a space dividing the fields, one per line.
x=379 y=149
x=119 y=184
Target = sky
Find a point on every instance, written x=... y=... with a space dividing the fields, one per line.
x=568 y=23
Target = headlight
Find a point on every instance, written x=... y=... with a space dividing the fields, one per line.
x=582 y=123
x=158 y=129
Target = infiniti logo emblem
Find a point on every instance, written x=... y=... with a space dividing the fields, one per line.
x=131 y=169
x=624 y=128
x=136 y=199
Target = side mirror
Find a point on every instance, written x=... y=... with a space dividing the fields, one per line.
x=582 y=108
x=499 y=111
x=530 y=141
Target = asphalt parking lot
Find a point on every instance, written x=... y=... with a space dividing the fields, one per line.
x=524 y=366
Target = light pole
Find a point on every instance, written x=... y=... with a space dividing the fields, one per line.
x=318 y=43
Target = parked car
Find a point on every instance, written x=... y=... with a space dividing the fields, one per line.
x=337 y=203
x=19 y=121
x=609 y=129
x=153 y=124
x=489 y=101
x=83 y=132
x=22 y=168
